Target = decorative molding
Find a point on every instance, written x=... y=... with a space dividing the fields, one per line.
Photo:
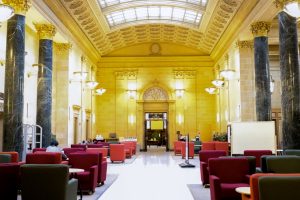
x=62 y=47
x=245 y=44
x=184 y=74
x=155 y=49
x=260 y=28
x=280 y=3
x=155 y=94
x=45 y=31
x=20 y=6
x=127 y=74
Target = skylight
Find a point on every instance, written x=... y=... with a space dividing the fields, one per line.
x=107 y=3
x=175 y=14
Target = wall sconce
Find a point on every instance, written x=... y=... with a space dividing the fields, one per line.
x=79 y=75
x=180 y=119
x=91 y=84
x=211 y=90
x=131 y=94
x=179 y=92
x=131 y=119
x=227 y=73
x=218 y=83
x=272 y=84
x=100 y=91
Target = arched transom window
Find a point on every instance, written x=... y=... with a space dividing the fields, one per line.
x=155 y=94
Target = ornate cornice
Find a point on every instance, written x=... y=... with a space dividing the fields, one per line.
x=260 y=28
x=62 y=47
x=245 y=44
x=45 y=31
x=184 y=74
x=126 y=74
x=20 y=6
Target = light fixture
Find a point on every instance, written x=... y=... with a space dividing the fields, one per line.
x=131 y=94
x=91 y=84
x=6 y=12
x=292 y=8
x=227 y=73
x=218 y=83
x=211 y=90
x=78 y=75
x=179 y=92
x=272 y=84
x=100 y=91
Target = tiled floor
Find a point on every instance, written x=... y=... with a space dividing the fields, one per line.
x=154 y=175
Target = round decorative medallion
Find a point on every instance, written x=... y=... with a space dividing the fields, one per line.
x=155 y=48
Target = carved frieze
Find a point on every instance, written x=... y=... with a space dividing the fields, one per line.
x=126 y=75
x=184 y=74
x=155 y=94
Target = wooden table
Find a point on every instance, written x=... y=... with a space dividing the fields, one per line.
x=73 y=172
x=244 y=191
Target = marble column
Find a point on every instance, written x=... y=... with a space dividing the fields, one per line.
x=44 y=86
x=289 y=69
x=262 y=71
x=14 y=79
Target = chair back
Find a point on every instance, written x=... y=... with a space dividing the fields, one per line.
x=117 y=152
x=278 y=188
x=14 y=156
x=94 y=145
x=83 y=146
x=258 y=154
x=204 y=155
x=83 y=160
x=9 y=181
x=44 y=158
x=222 y=146
x=229 y=170
x=104 y=151
x=38 y=150
x=208 y=146
x=44 y=181
x=5 y=158
x=283 y=164
x=295 y=152
x=68 y=151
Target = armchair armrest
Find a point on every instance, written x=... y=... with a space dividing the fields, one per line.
x=247 y=178
x=215 y=187
x=94 y=175
x=72 y=189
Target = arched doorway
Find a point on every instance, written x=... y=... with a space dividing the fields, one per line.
x=156 y=116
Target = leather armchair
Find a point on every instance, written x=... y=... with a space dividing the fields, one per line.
x=191 y=150
x=102 y=167
x=9 y=181
x=89 y=163
x=204 y=156
x=47 y=182
x=117 y=152
x=177 y=147
x=226 y=174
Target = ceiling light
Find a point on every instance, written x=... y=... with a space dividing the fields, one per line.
x=292 y=8
x=6 y=12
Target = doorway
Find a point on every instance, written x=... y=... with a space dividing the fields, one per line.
x=156 y=130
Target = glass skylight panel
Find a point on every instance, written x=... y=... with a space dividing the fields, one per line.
x=141 y=13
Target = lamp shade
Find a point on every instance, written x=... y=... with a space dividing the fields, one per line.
x=91 y=84
x=5 y=12
x=211 y=90
x=292 y=8
x=100 y=91
x=218 y=82
x=227 y=73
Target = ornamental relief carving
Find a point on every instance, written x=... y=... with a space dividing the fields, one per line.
x=155 y=94
x=184 y=74
x=129 y=75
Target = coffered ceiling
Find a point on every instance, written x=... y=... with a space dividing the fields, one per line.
x=106 y=35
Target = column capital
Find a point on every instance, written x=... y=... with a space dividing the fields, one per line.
x=20 y=6
x=260 y=28
x=62 y=47
x=244 y=44
x=45 y=31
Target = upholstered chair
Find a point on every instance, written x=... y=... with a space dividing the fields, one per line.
x=47 y=182
x=204 y=156
x=5 y=158
x=224 y=146
x=68 y=151
x=38 y=149
x=258 y=154
x=191 y=150
x=177 y=147
x=208 y=146
x=283 y=164
x=44 y=158
x=94 y=145
x=9 y=181
x=78 y=146
x=14 y=156
x=117 y=152
x=102 y=167
x=225 y=175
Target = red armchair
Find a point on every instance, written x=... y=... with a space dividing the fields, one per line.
x=224 y=146
x=89 y=162
x=204 y=156
x=177 y=147
x=14 y=156
x=191 y=150
x=68 y=151
x=117 y=152
x=102 y=167
x=226 y=174
x=44 y=158
x=9 y=181
x=208 y=146
x=258 y=154
x=78 y=146
x=128 y=149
